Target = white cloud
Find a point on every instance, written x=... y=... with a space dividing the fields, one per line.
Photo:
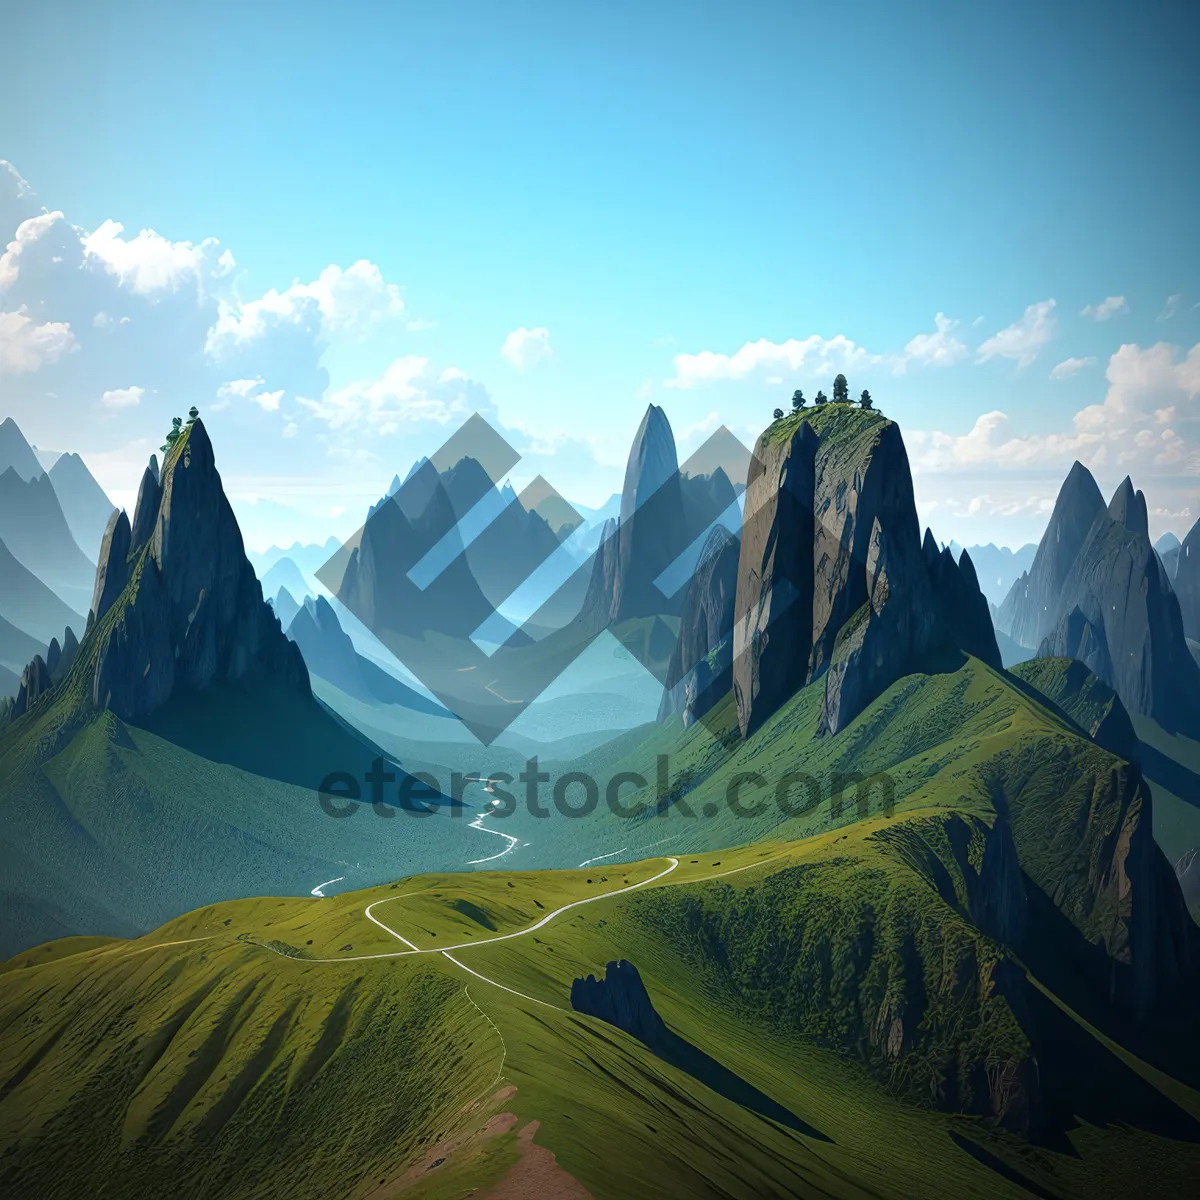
x=1169 y=309
x=290 y=430
x=1149 y=419
x=1110 y=306
x=525 y=348
x=409 y=391
x=152 y=263
x=813 y=355
x=1023 y=340
x=247 y=389
x=1071 y=366
x=338 y=302
x=28 y=232
x=240 y=387
x=938 y=349
x=25 y=345
x=129 y=397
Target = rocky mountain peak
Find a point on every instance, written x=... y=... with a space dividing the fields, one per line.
x=835 y=579
x=1028 y=612
x=1128 y=508
x=182 y=608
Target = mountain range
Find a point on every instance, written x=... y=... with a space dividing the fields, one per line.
x=1098 y=592
x=862 y=913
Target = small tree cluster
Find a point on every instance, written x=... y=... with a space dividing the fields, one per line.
x=841 y=395
x=176 y=430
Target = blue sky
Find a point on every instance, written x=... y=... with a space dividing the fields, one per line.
x=648 y=188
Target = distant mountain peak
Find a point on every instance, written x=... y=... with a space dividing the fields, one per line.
x=16 y=452
x=1128 y=508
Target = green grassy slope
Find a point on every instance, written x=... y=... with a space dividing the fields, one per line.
x=225 y=1056
x=111 y=829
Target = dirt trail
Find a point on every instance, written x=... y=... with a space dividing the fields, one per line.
x=537 y=1174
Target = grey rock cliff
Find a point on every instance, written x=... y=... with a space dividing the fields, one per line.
x=698 y=674
x=833 y=580
x=1031 y=609
x=192 y=612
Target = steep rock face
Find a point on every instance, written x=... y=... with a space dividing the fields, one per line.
x=192 y=612
x=112 y=570
x=621 y=999
x=646 y=544
x=1030 y=610
x=35 y=680
x=1187 y=583
x=1120 y=589
x=962 y=606
x=145 y=514
x=1076 y=637
x=699 y=671
x=1085 y=838
x=773 y=611
x=832 y=579
x=1128 y=508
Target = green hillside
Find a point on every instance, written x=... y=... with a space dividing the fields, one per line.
x=109 y=828
x=256 y=1048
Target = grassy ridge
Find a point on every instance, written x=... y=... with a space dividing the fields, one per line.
x=219 y=1057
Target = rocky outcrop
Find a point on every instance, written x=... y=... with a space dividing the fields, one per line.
x=1187 y=583
x=148 y=500
x=1120 y=615
x=773 y=610
x=833 y=580
x=1105 y=599
x=112 y=570
x=1128 y=508
x=35 y=680
x=962 y=607
x=1031 y=608
x=700 y=670
x=621 y=999
x=192 y=612
x=70 y=648
x=1075 y=637
x=646 y=546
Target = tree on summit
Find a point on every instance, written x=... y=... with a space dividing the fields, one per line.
x=778 y=414
x=797 y=400
x=841 y=390
x=865 y=400
x=175 y=434
x=821 y=398
x=193 y=415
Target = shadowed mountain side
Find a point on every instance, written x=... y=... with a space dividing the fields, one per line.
x=1187 y=582
x=621 y=999
x=1070 y=687
x=30 y=605
x=700 y=670
x=83 y=501
x=34 y=529
x=329 y=653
